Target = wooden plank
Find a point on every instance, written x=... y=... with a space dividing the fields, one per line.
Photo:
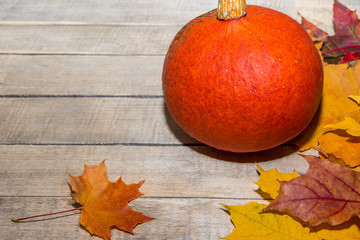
x=178 y=218
x=88 y=121
x=191 y=172
x=108 y=12
x=80 y=75
x=145 y=12
x=87 y=39
x=118 y=11
x=42 y=52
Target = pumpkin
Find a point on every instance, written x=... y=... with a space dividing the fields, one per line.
x=242 y=78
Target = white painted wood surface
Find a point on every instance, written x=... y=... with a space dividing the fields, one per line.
x=80 y=81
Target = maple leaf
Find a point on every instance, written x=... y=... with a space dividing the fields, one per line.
x=349 y=230
x=349 y=57
x=332 y=158
x=340 y=82
x=350 y=125
x=342 y=79
x=105 y=203
x=344 y=46
x=269 y=180
x=355 y=98
x=342 y=146
x=347 y=32
x=327 y=193
x=342 y=87
x=250 y=223
x=315 y=33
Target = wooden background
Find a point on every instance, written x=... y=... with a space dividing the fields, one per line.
x=80 y=81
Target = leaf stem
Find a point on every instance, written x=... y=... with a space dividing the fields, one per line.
x=338 y=49
x=44 y=215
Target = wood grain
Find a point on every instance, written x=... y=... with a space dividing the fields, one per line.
x=176 y=218
x=87 y=39
x=88 y=121
x=80 y=81
x=117 y=11
x=145 y=12
x=121 y=39
x=191 y=172
x=67 y=75
x=104 y=12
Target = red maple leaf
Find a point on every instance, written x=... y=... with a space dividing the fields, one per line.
x=344 y=45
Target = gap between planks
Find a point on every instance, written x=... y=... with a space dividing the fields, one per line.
x=107 y=144
x=77 y=96
x=168 y=171
x=150 y=197
x=28 y=53
x=108 y=24
x=175 y=219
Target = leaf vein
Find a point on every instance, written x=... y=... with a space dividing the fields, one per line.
x=344 y=183
x=267 y=227
x=322 y=184
x=336 y=212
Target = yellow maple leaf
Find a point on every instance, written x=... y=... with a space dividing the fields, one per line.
x=349 y=231
x=350 y=125
x=355 y=98
x=340 y=82
x=333 y=109
x=343 y=79
x=251 y=224
x=269 y=180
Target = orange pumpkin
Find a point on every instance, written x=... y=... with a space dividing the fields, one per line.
x=244 y=84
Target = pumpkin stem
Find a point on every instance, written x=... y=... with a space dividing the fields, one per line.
x=231 y=9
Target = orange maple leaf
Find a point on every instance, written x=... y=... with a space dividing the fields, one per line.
x=104 y=203
x=342 y=146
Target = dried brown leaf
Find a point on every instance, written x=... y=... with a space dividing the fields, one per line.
x=327 y=193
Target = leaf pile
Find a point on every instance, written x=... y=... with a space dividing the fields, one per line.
x=344 y=46
x=336 y=124
x=336 y=129
x=324 y=203
x=327 y=194
x=104 y=203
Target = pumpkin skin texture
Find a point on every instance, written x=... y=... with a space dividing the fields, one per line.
x=242 y=85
